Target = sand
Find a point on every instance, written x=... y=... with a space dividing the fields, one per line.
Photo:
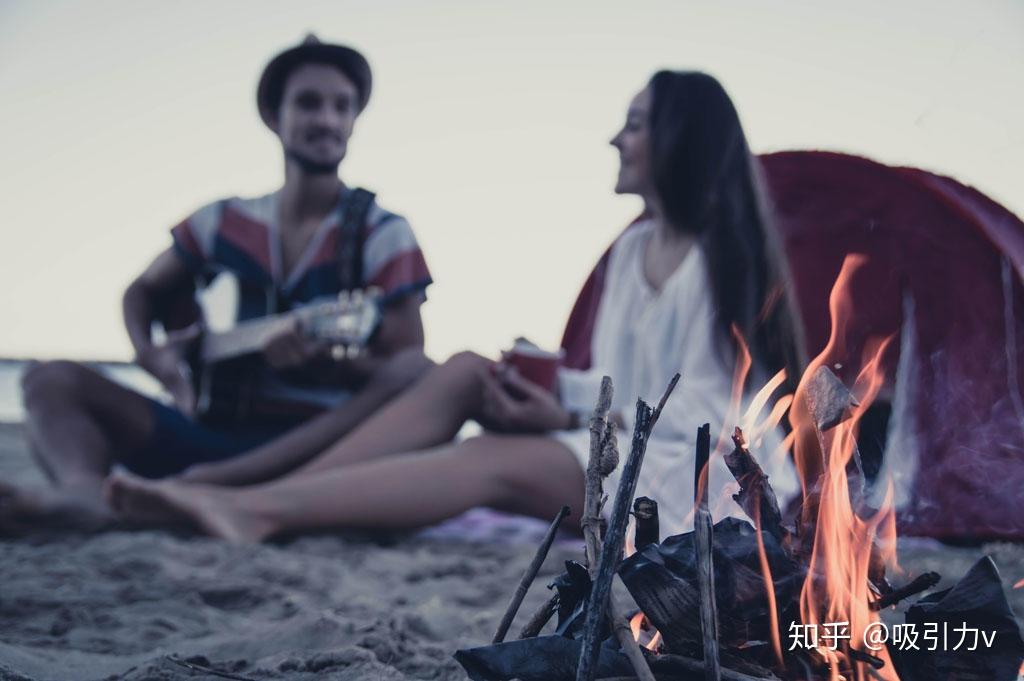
x=116 y=605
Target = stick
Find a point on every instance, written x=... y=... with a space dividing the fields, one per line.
x=920 y=583
x=540 y=618
x=645 y=510
x=628 y=644
x=611 y=549
x=756 y=496
x=867 y=658
x=661 y=403
x=601 y=439
x=604 y=457
x=668 y=662
x=529 y=576
x=703 y=534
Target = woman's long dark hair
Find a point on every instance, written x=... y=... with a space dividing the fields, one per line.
x=708 y=185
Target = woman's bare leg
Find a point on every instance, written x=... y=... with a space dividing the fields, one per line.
x=428 y=414
x=309 y=440
x=533 y=475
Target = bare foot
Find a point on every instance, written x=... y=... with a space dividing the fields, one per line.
x=214 y=510
x=24 y=510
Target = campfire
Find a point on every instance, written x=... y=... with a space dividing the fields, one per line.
x=802 y=592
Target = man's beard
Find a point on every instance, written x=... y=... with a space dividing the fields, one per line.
x=311 y=166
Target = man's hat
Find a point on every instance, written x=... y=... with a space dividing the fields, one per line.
x=311 y=50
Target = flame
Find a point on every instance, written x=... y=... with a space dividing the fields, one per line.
x=769 y=588
x=760 y=400
x=639 y=623
x=739 y=378
x=837 y=587
x=1019 y=585
x=635 y=624
x=771 y=422
x=756 y=430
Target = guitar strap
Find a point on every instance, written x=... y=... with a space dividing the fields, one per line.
x=352 y=237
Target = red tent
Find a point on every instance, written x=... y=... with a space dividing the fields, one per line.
x=953 y=259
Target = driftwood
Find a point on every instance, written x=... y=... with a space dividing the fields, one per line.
x=703 y=536
x=645 y=511
x=529 y=576
x=603 y=460
x=756 y=496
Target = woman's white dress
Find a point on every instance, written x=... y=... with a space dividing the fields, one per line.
x=642 y=337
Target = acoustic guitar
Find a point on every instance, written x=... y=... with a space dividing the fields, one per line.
x=226 y=366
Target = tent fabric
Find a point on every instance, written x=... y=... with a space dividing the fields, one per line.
x=952 y=260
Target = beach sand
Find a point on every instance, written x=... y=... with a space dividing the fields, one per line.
x=116 y=605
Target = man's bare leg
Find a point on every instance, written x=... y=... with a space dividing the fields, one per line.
x=533 y=475
x=76 y=421
x=298 y=446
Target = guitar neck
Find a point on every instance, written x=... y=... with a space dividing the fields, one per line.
x=245 y=338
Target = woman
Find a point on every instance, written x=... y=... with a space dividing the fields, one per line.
x=700 y=264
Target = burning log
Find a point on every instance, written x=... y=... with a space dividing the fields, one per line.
x=828 y=399
x=663 y=581
x=645 y=510
x=529 y=576
x=756 y=496
x=830 y=403
x=703 y=532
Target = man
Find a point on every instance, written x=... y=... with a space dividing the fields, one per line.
x=285 y=249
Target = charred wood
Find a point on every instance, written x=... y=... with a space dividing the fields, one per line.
x=917 y=585
x=756 y=496
x=703 y=538
x=645 y=511
x=675 y=663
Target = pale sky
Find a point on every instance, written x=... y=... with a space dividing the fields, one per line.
x=488 y=129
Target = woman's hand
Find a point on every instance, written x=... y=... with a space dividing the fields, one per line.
x=513 y=404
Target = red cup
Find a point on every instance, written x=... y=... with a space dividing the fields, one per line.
x=535 y=365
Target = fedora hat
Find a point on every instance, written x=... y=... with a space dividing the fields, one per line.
x=350 y=62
